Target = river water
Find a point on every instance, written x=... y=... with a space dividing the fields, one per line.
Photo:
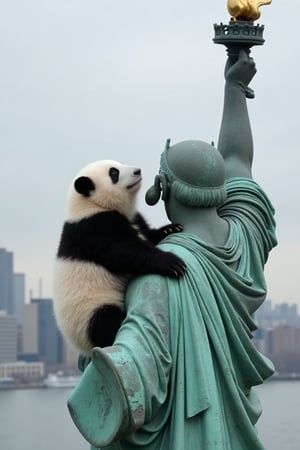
x=38 y=419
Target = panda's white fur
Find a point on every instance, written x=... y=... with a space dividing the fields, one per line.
x=89 y=272
x=81 y=287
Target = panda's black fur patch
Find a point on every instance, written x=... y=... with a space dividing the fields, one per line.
x=104 y=324
x=114 y=174
x=84 y=186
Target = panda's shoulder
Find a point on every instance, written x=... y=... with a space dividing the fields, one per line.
x=106 y=221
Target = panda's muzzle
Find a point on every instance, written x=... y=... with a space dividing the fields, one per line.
x=138 y=174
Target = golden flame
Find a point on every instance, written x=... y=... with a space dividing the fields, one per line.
x=246 y=9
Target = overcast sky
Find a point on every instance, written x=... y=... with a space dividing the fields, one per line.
x=82 y=80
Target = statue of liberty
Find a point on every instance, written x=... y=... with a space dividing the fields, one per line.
x=182 y=371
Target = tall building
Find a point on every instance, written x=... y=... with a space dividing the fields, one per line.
x=6 y=281
x=285 y=349
x=18 y=296
x=41 y=336
x=285 y=339
x=30 y=332
x=286 y=313
x=270 y=316
x=70 y=355
x=8 y=338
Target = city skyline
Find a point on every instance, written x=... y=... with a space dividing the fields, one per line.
x=28 y=331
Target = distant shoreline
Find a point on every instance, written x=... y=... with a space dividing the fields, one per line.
x=275 y=377
x=285 y=377
x=23 y=386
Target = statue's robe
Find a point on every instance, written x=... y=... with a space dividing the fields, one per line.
x=180 y=375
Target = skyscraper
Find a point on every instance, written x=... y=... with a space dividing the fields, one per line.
x=18 y=296
x=30 y=333
x=40 y=333
x=6 y=281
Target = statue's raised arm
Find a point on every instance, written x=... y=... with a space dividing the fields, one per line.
x=235 y=139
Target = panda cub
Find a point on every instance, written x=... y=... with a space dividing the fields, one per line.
x=104 y=241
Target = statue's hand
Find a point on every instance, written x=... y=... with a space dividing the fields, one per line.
x=241 y=71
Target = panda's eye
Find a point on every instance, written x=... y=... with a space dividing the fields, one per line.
x=114 y=174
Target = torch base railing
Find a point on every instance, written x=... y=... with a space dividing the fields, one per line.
x=238 y=34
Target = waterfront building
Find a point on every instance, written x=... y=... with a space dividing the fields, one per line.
x=8 y=337
x=22 y=370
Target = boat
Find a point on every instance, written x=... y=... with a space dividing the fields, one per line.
x=60 y=380
x=7 y=382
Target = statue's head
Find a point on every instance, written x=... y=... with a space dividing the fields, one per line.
x=191 y=171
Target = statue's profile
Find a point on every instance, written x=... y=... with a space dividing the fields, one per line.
x=181 y=372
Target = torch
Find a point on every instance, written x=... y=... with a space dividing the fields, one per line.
x=241 y=32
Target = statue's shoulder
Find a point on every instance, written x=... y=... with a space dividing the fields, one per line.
x=146 y=290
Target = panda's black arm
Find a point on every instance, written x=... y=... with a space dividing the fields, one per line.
x=140 y=222
x=155 y=235
x=139 y=257
x=121 y=250
x=109 y=239
x=116 y=244
x=126 y=252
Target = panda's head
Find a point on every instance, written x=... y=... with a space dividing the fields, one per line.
x=101 y=186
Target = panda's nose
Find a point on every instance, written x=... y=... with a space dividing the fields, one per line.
x=137 y=172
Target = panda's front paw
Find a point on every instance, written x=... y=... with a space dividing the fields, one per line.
x=173 y=266
x=155 y=236
x=163 y=232
x=172 y=228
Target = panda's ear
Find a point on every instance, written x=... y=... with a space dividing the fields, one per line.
x=84 y=186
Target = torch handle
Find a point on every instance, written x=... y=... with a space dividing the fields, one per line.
x=233 y=54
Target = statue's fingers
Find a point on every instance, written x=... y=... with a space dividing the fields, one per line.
x=243 y=55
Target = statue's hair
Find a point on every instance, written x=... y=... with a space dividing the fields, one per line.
x=189 y=194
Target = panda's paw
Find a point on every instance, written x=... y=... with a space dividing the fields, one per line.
x=163 y=232
x=157 y=235
x=174 y=267
x=172 y=228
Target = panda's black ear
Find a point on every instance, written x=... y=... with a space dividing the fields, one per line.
x=84 y=186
